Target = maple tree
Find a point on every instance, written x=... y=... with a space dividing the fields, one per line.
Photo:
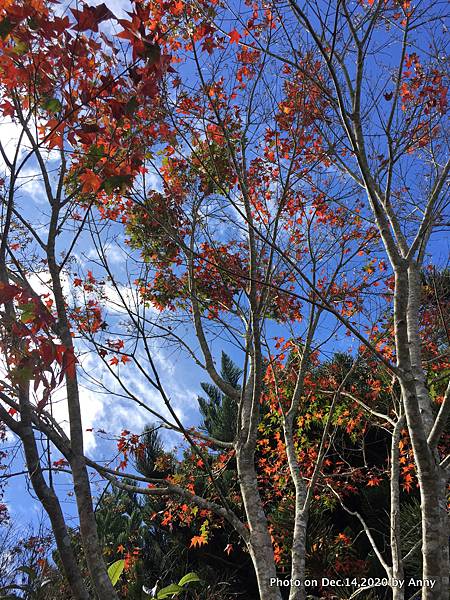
x=321 y=122
x=413 y=134
x=300 y=179
x=69 y=90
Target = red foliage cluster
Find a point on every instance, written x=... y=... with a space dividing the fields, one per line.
x=30 y=345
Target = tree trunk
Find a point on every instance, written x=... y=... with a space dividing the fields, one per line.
x=299 y=550
x=88 y=526
x=434 y=549
x=82 y=488
x=433 y=494
x=49 y=501
x=260 y=543
x=398 y=593
x=415 y=346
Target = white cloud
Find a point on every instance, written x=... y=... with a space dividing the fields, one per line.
x=104 y=410
x=92 y=409
x=121 y=298
x=30 y=181
x=116 y=254
x=10 y=137
x=14 y=140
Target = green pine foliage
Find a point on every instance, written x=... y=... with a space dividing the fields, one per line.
x=219 y=411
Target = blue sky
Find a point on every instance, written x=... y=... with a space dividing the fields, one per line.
x=100 y=409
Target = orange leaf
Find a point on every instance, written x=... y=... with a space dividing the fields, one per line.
x=177 y=8
x=375 y=481
x=197 y=540
x=234 y=37
x=91 y=182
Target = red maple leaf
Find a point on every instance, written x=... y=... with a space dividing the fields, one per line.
x=91 y=182
x=235 y=36
x=8 y=292
x=91 y=16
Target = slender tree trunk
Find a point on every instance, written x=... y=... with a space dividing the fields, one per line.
x=298 y=552
x=434 y=549
x=415 y=346
x=50 y=502
x=88 y=526
x=260 y=543
x=425 y=406
x=398 y=593
x=44 y=492
x=304 y=492
x=433 y=494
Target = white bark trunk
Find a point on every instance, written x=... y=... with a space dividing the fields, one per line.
x=259 y=543
x=397 y=560
x=417 y=408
